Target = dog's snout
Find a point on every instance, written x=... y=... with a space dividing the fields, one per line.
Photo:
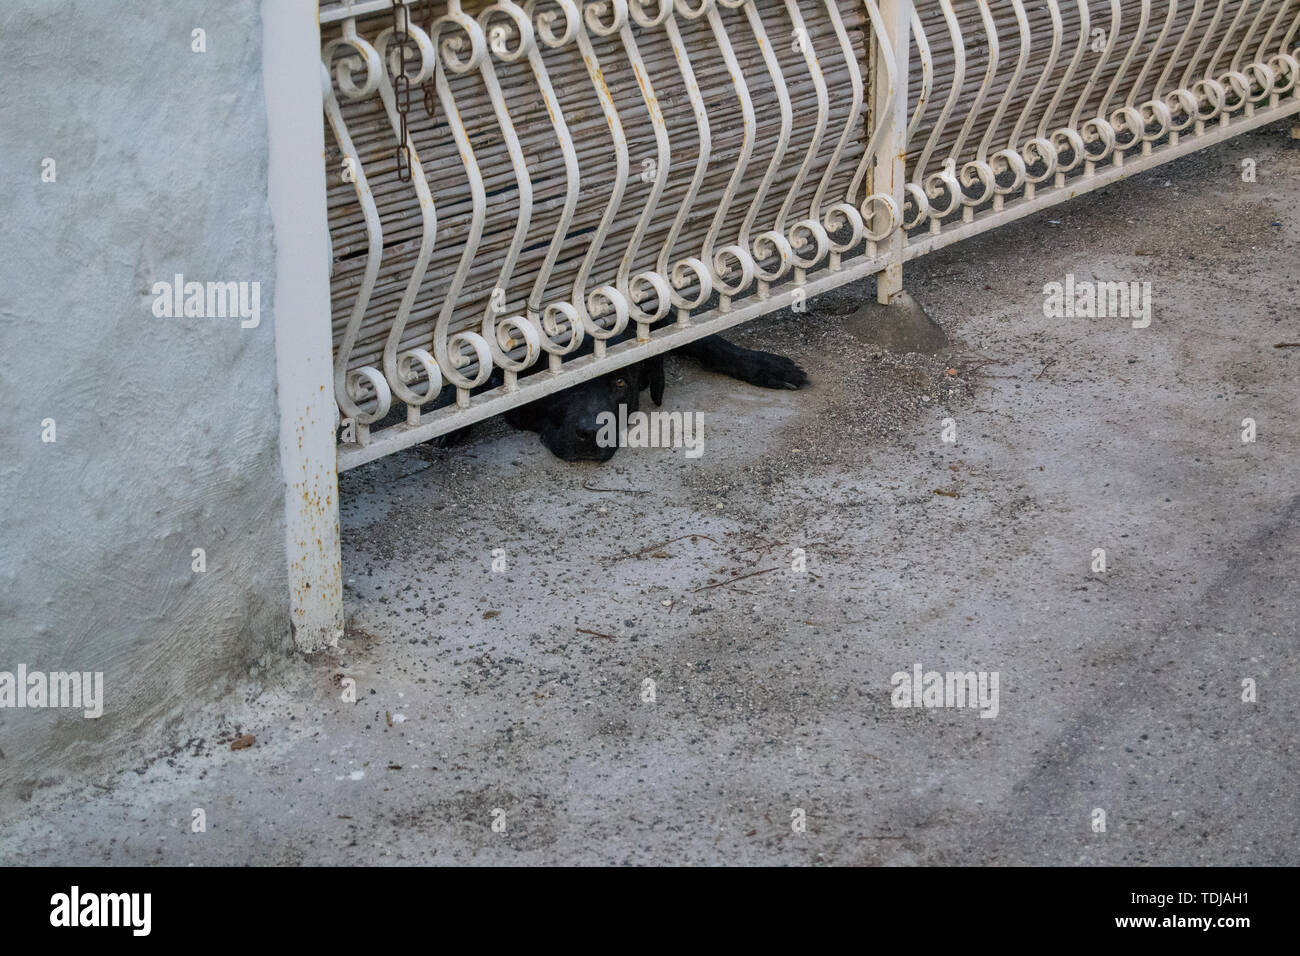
x=587 y=434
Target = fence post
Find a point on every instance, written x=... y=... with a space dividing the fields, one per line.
x=304 y=361
x=890 y=172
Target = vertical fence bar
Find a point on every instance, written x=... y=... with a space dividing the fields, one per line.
x=890 y=100
x=304 y=364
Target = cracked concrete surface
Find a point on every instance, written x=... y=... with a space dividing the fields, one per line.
x=518 y=695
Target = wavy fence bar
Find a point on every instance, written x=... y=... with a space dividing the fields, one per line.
x=510 y=183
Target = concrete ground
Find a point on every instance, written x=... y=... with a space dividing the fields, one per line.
x=517 y=696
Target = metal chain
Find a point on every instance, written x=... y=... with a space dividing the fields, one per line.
x=430 y=92
x=402 y=88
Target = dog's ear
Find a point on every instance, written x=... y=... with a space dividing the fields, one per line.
x=652 y=374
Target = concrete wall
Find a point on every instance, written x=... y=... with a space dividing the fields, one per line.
x=167 y=429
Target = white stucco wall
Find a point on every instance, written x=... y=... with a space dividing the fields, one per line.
x=167 y=429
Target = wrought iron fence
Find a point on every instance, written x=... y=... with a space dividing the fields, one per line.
x=509 y=182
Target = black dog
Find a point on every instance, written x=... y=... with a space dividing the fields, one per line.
x=568 y=421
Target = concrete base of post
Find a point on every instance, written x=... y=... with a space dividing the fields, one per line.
x=900 y=326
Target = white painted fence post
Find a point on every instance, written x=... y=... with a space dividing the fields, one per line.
x=304 y=361
x=889 y=174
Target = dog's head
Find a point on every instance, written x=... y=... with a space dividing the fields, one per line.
x=570 y=422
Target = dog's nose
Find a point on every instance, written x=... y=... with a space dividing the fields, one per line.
x=587 y=436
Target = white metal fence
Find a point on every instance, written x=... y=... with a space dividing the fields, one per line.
x=510 y=180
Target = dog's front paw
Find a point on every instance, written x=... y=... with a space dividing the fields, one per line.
x=771 y=371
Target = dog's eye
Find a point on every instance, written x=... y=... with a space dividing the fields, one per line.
x=620 y=383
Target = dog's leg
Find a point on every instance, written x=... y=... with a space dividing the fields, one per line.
x=749 y=365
